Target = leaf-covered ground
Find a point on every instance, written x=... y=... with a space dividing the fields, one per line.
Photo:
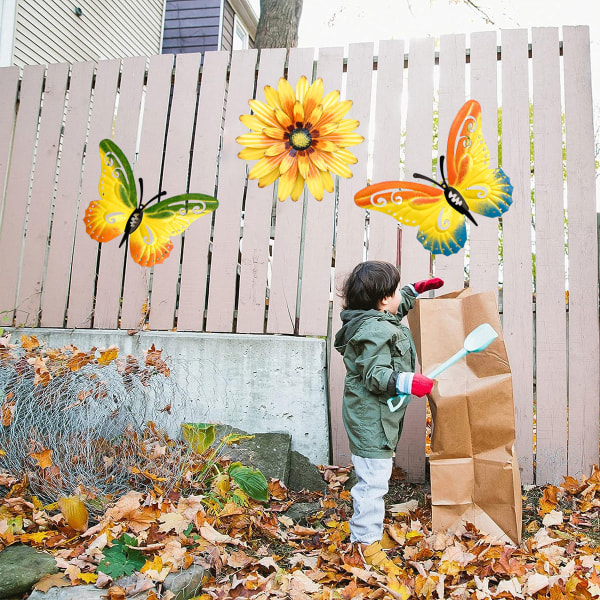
x=179 y=503
x=256 y=551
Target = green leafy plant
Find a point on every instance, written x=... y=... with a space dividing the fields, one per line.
x=251 y=481
x=121 y=558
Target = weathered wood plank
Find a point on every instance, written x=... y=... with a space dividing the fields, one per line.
x=112 y=258
x=383 y=229
x=60 y=252
x=257 y=220
x=452 y=97
x=517 y=266
x=42 y=189
x=483 y=240
x=583 y=340
x=17 y=191
x=148 y=167
x=232 y=178
x=174 y=181
x=209 y=114
x=551 y=327
x=285 y=266
x=414 y=259
x=85 y=249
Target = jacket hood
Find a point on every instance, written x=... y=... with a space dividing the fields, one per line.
x=351 y=322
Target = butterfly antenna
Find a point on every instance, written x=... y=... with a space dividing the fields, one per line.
x=141 y=191
x=419 y=176
x=442 y=159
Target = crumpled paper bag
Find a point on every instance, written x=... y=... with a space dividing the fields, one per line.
x=474 y=471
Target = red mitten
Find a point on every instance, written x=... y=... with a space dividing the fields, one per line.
x=421 y=385
x=428 y=284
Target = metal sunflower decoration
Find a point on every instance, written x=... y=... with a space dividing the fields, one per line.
x=299 y=137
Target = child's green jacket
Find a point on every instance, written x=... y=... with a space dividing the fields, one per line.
x=376 y=346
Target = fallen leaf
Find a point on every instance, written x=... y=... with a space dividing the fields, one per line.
x=50 y=581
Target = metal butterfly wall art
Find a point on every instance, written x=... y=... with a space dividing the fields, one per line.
x=119 y=211
x=440 y=210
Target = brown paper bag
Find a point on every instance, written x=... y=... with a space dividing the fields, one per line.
x=474 y=472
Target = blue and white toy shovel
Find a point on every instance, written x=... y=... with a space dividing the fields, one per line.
x=479 y=339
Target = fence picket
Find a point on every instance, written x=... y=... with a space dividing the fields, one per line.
x=85 y=249
x=17 y=191
x=452 y=97
x=113 y=257
x=205 y=154
x=257 y=220
x=483 y=240
x=174 y=181
x=40 y=203
x=383 y=230
x=517 y=291
x=232 y=178
x=283 y=290
x=148 y=168
x=583 y=340
x=551 y=327
x=415 y=261
x=60 y=252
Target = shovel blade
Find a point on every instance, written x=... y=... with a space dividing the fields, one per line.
x=480 y=338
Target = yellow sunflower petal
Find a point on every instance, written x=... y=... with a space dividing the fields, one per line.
x=252 y=122
x=303 y=164
x=317 y=159
x=283 y=120
x=325 y=130
x=330 y=99
x=276 y=148
x=286 y=183
x=301 y=88
x=346 y=139
x=254 y=140
x=334 y=113
x=314 y=115
x=269 y=178
x=251 y=153
x=327 y=180
x=324 y=145
x=298 y=113
x=298 y=188
x=264 y=166
x=289 y=160
x=287 y=97
x=313 y=96
x=336 y=165
x=347 y=125
x=314 y=182
x=275 y=133
x=272 y=97
x=263 y=112
x=346 y=156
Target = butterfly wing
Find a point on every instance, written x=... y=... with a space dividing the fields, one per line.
x=441 y=230
x=150 y=243
x=487 y=191
x=106 y=218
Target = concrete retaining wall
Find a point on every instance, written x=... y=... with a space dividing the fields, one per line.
x=257 y=383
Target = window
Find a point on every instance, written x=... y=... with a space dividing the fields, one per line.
x=240 y=35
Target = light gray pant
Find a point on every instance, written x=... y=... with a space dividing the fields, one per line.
x=366 y=524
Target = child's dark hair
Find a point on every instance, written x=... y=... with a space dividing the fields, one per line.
x=369 y=282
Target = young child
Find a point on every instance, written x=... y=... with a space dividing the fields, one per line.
x=379 y=356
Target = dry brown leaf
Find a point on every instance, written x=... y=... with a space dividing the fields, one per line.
x=50 y=581
x=43 y=458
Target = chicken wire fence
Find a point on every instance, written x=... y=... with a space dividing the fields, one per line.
x=97 y=431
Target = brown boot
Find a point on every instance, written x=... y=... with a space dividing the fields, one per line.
x=375 y=556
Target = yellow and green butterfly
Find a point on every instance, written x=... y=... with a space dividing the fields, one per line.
x=120 y=212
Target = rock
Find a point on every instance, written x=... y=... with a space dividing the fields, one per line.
x=21 y=567
x=299 y=512
x=267 y=452
x=80 y=592
x=304 y=475
x=185 y=584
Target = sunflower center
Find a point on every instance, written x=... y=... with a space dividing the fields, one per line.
x=300 y=138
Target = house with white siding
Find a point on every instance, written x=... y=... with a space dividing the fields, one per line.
x=201 y=25
x=51 y=31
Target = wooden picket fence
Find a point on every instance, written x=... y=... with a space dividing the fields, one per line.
x=262 y=266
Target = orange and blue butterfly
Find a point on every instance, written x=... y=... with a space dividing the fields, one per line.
x=440 y=212
x=147 y=228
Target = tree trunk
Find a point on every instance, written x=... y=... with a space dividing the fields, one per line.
x=278 y=23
